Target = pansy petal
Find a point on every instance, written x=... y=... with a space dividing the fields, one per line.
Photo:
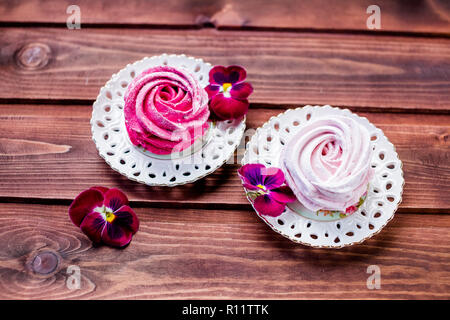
x=236 y=74
x=217 y=75
x=114 y=199
x=246 y=183
x=115 y=235
x=241 y=90
x=252 y=172
x=126 y=218
x=228 y=108
x=267 y=206
x=212 y=90
x=93 y=225
x=100 y=188
x=249 y=186
x=283 y=194
x=83 y=204
x=274 y=179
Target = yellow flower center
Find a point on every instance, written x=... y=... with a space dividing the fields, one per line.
x=226 y=87
x=109 y=216
x=261 y=187
x=106 y=213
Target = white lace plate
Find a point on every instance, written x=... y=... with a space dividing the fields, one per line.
x=383 y=197
x=111 y=138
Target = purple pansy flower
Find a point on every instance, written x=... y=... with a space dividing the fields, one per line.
x=265 y=187
x=104 y=216
x=228 y=92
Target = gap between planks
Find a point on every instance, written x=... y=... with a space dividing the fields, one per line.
x=379 y=33
x=353 y=108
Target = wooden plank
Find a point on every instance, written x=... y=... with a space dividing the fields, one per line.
x=214 y=254
x=431 y=16
x=380 y=73
x=46 y=152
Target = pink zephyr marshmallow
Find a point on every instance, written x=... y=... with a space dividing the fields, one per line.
x=166 y=109
x=327 y=163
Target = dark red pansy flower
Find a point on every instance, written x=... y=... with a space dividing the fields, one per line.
x=104 y=216
x=265 y=188
x=228 y=92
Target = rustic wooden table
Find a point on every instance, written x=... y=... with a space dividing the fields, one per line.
x=203 y=240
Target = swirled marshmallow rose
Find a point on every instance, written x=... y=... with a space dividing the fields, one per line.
x=327 y=163
x=166 y=110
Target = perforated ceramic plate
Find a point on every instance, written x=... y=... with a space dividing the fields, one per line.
x=384 y=194
x=111 y=138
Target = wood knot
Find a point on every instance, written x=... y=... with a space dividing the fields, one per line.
x=45 y=263
x=33 y=56
x=444 y=137
x=20 y=147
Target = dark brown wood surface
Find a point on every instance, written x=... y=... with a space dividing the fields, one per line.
x=389 y=73
x=425 y=16
x=206 y=254
x=55 y=158
x=203 y=240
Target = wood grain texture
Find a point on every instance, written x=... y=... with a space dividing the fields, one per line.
x=421 y=141
x=380 y=73
x=214 y=254
x=430 y=16
x=203 y=240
